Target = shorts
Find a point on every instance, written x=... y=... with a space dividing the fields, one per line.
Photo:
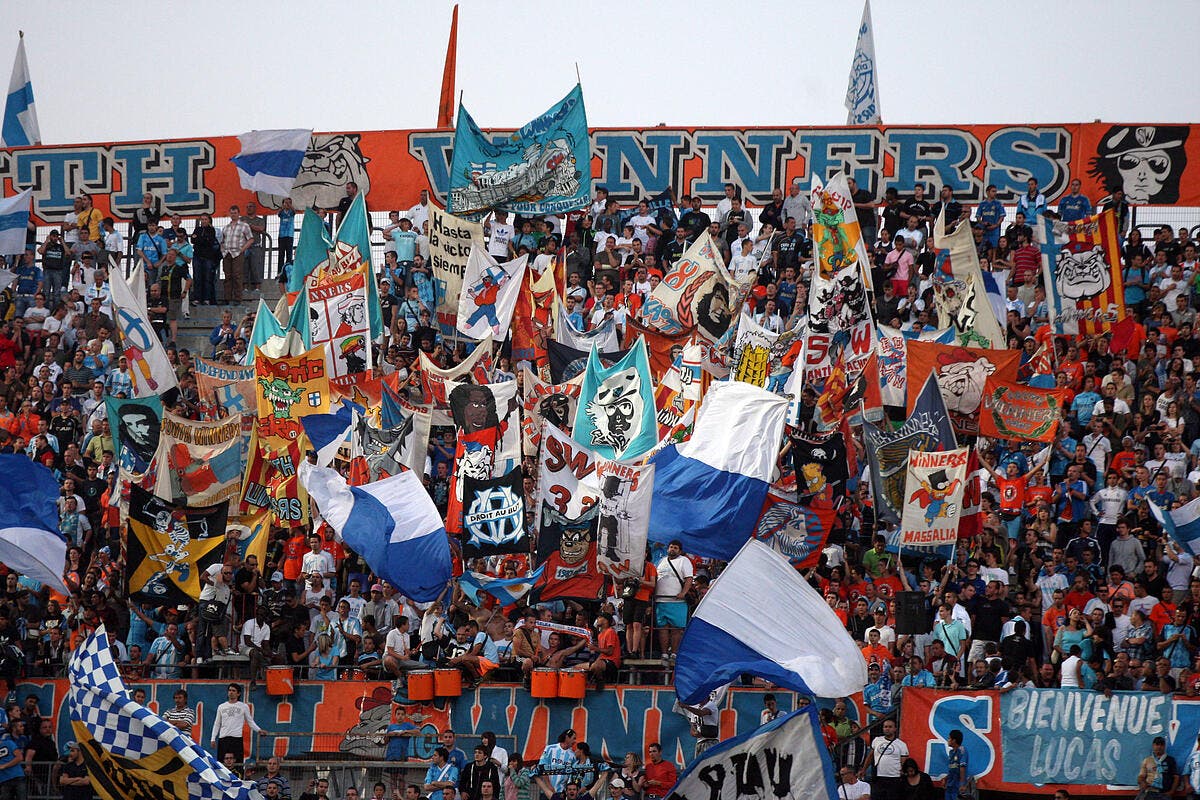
x=174 y=308
x=670 y=614
x=634 y=611
x=610 y=671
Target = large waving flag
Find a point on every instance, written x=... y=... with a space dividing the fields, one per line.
x=960 y=291
x=148 y=364
x=328 y=432
x=787 y=757
x=1181 y=524
x=20 y=115
x=129 y=750
x=862 y=91
x=392 y=523
x=506 y=590
x=800 y=645
x=30 y=541
x=14 y=220
x=313 y=248
x=270 y=160
x=709 y=490
x=542 y=168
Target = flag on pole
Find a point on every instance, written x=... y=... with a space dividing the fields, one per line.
x=20 y=115
x=130 y=751
x=270 y=160
x=30 y=541
x=862 y=91
x=446 y=104
x=1181 y=524
x=14 y=219
x=152 y=372
x=313 y=248
x=354 y=229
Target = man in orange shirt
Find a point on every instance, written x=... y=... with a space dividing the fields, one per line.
x=608 y=652
x=874 y=652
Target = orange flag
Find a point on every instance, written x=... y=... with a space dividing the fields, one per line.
x=446 y=104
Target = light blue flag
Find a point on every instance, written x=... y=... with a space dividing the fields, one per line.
x=1181 y=524
x=313 y=248
x=20 y=114
x=506 y=590
x=543 y=168
x=14 y=220
x=616 y=406
x=355 y=230
x=862 y=91
x=265 y=326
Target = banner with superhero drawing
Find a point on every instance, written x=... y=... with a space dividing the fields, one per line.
x=382 y=452
x=1081 y=265
x=679 y=390
x=199 y=463
x=751 y=359
x=168 y=546
x=566 y=363
x=494 y=515
x=892 y=349
x=933 y=490
x=961 y=373
x=819 y=464
x=623 y=523
x=567 y=512
x=837 y=299
x=533 y=321
x=695 y=293
x=338 y=324
x=553 y=402
x=616 y=415
x=959 y=289
x=1017 y=412
x=488 y=437
x=489 y=294
x=797 y=531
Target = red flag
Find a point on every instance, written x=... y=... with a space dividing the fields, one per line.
x=446 y=104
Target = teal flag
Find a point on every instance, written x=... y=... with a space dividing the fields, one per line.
x=616 y=406
x=312 y=249
x=265 y=326
x=355 y=230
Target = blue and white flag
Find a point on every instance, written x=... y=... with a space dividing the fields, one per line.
x=129 y=750
x=14 y=220
x=392 y=523
x=30 y=540
x=862 y=91
x=543 y=168
x=616 y=406
x=328 y=432
x=506 y=590
x=20 y=114
x=786 y=758
x=270 y=160
x=709 y=490
x=800 y=644
x=1182 y=524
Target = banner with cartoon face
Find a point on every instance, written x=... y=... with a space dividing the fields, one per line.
x=387 y=451
x=959 y=291
x=338 y=323
x=623 y=523
x=796 y=530
x=488 y=437
x=1081 y=264
x=696 y=293
x=616 y=417
x=489 y=294
x=169 y=546
x=819 y=464
x=494 y=515
x=751 y=360
x=933 y=497
x=893 y=359
x=553 y=402
x=567 y=512
x=199 y=463
x=837 y=299
x=962 y=373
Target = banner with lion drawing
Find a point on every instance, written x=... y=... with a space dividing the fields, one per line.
x=1081 y=262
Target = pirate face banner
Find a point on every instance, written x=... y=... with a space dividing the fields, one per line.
x=959 y=290
x=488 y=437
x=1081 y=263
x=489 y=294
x=623 y=523
x=568 y=363
x=797 y=531
x=135 y=426
x=199 y=463
x=388 y=451
x=168 y=546
x=819 y=464
x=962 y=374
x=837 y=299
x=1147 y=161
x=555 y=403
x=892 y=349
x=933 y=491
x=338 y=323
x=616 y=416
x=567 y=512
x=1015 y=411
x=494 y=516
x=679 y=390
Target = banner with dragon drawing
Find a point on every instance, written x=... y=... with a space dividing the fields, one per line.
x=837 y=299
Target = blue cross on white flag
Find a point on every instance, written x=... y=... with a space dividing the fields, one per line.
x=862 y=91
x=20 y=115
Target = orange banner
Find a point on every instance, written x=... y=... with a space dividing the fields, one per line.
x=1015 y=411
x=962 y=375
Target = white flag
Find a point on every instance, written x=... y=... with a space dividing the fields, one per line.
x=862 y=91
x=14 y=219
x=148 y=365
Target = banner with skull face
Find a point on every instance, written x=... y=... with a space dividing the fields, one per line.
x=1081 y=264
x=568 y=508
x=617 y=418
x=819 y=464
x=933 y=497
x=169 y=546
x=962 y=374
x=556 y=403
x=494 y=515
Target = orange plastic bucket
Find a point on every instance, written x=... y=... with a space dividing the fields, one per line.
x=420 y=684
x=572 y=684
x=446 y=683
x=544 y=683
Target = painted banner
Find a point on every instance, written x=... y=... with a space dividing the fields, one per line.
x=662 y=348
x=694 y=293
x=488 y=438
x=934 y=497
x=1017 y=412
x=567 y=512
x=338 y=324
x=554 y=402
x=199 y=463
x=252 y=531
x=751 y=359
x=168 y=546
x=533 y=320
x=489 y=294
x=841 y=279
x=959 y=290
x=134 y=425
x=450 y=242
x=624 y=520
x=229 y=386
x=386 y=451
x=567 y=363
x=437 y=382
x=962 y=374
x=616 y=415
x=542 y=168
x=796 y=530
x=149 y=368
x=679 y=390
x=854 y=346
x=892 y=349
x=494 y=515
x=1081 y=266
x=819 y=464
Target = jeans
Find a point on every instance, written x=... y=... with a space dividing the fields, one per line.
x=254 y=266
x=204 y=289
x=56 y=284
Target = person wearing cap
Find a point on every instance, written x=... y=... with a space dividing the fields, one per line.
x=383 y=609
x=73 y=779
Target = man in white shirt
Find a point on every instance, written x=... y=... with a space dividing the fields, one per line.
x=397 y=649
x=600 y=203
x=317 y=560
x=887 y=754
x=797 y=206
x=419 y=214
x=644 y=223
x=256 y=636
x=851 y=787
x=725 y=205
x=500 y=233
x=675 y=574
x=1097 y=446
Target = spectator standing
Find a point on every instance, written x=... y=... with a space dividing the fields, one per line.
x=232 y=716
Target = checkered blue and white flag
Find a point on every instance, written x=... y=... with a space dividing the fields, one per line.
x=130 y=751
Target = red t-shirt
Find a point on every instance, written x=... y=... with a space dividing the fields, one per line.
x=1012 y=494
x=608 y=638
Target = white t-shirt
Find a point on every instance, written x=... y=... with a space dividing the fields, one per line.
x=259 y=634
x=1070 y=672
x=640 y=223
x=889 y=755
x=397 y=642
x=669 y=585
x=855 y=791
x=320 y=562
x=743 y=266
x=501 y=236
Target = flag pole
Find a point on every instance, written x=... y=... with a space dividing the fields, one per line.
x=578 y=79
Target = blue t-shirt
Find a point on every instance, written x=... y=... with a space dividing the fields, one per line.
x=8 y=749
x=406 y=244
x=1078 y=508
x=991 y=212
x=397 y=746
x=1085 y=404
x=155 y=247
x=955 y=757
x=446 y=772
x=557 y=757
x=1074 y=207
x=287 y=222
x=28 y=277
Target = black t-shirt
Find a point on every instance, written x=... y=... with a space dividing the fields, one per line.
x=73 y=770
x=425 y=334
x=988 y=622
x=919 y=207
x=789 y=249
x=387 y=307
x=773 y=214
x=293 y=648
x=55 y=256
x=891 y=217
x=866 y=216
x=732 y=221
x=673 y=251
x=695 y=221
x=91 y=492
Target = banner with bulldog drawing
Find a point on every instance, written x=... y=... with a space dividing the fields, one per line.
x=567 y=512
x=623 y=524
x=962 y=374
x=494 y=515
x=199 y=463
x=1081 y=264
x=933 y=492
x=1017 y=412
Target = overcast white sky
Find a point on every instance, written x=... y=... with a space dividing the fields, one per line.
x=138 y=70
